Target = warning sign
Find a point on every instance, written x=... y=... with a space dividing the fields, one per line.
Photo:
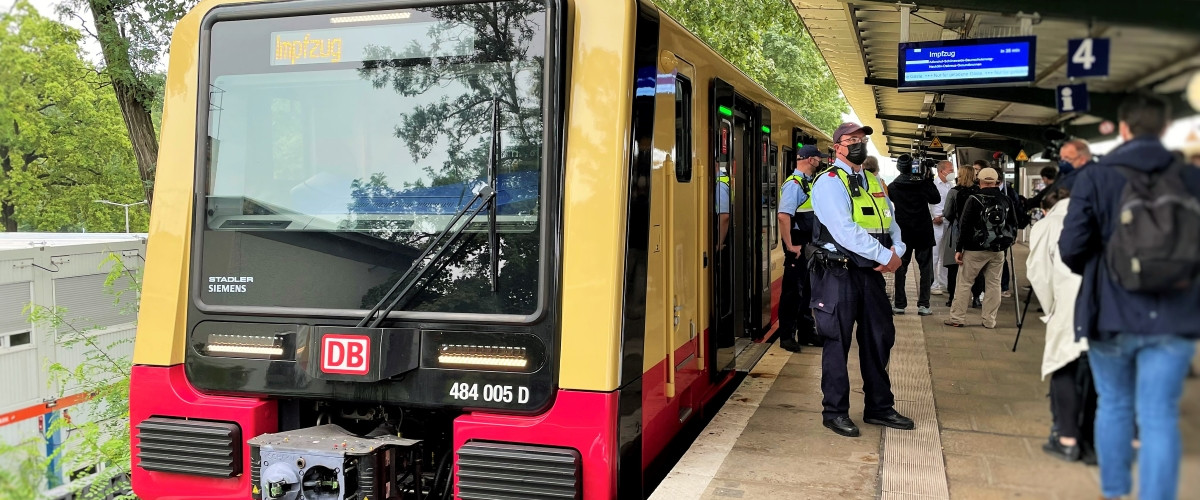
x=937 y=143
x=1022 y=156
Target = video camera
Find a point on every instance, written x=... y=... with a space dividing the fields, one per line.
x=1054 y=141
x=916 y=168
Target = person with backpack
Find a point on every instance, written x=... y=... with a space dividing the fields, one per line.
x=988 y=227
x=1133 y=234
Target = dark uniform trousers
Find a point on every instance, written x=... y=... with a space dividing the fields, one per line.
x=842 y=297
x=794 y=313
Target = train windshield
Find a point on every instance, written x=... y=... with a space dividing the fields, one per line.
x=340 y=145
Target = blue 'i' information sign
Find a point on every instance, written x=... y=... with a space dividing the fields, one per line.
x=978 y=62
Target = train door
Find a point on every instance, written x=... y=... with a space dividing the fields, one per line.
x=726 y=322
x=740 y=257
x=770 y=186
x=759 y=312
x=685 y=244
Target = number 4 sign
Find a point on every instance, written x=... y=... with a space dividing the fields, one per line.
x=1088 y=57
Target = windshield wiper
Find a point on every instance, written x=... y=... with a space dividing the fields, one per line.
x=493 y=160
x=488 y=196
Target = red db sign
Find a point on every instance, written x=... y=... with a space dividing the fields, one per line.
x=346 y=354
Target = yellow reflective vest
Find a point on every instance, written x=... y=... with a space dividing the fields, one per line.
x=806 y=186
x=870 y=208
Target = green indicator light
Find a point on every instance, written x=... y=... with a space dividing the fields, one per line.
x=799 y=144
x=766 y=129
x=724 y=110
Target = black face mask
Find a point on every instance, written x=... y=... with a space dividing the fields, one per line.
x=856 y=153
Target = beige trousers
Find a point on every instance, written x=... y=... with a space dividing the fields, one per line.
x=992 y=265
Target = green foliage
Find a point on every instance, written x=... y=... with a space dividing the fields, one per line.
x=21 y=472
x=134 y=36
x=62 y=141
x=766 y=39
x=98 y=432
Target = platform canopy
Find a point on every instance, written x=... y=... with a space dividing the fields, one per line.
x=1154 y=46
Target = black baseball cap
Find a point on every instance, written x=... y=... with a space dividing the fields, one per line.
x=810 y=151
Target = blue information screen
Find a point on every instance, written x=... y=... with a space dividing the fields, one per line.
x=984 y=61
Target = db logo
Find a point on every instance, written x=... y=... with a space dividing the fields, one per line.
x=346 y=354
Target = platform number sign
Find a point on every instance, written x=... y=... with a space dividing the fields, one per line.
x=1087 y=57
x=1073 y=98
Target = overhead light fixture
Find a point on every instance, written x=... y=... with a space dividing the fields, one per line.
x=371 y=18
x=244 y=346
x=482 y=356
x=920 y=126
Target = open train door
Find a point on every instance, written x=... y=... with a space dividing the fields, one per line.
x=726 y=254
x=759 y=216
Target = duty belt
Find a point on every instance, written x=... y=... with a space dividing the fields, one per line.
x=828 y=259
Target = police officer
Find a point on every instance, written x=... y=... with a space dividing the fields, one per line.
x=795 y=212
x=855 y=241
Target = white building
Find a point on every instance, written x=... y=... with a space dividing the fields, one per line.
x=57 y=270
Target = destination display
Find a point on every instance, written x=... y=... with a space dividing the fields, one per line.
x=977 y=62
x=397 y=41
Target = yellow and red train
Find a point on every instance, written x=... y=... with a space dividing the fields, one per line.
x=421 y=249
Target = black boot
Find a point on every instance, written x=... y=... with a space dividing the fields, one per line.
x=1056 y=449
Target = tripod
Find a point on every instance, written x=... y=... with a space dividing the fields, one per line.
x=1020 y=312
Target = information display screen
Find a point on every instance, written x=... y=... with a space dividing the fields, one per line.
x=977 y=62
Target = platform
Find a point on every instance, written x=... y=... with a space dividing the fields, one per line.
x=981 y=411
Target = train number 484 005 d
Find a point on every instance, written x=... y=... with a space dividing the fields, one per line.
x=464 y=391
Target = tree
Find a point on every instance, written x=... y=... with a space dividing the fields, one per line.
x=766 y=39
x=133 y=37
x=61 y=140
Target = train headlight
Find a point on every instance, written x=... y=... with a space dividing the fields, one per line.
x=477 y=356
x=244 y=346
x=482 y=351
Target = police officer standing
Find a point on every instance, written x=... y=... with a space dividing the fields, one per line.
x=855 y=241
x=795 y=212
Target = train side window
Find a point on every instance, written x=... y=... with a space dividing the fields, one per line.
x=683 y=130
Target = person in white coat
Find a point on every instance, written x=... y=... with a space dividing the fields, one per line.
x=944 y=182
x=1056 y=288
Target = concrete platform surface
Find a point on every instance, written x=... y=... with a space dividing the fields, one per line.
x=982 y=414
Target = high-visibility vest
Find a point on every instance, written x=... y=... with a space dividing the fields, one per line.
x=869 y=210
x=806 y=186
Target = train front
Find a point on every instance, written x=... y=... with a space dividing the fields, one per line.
x=354 y=294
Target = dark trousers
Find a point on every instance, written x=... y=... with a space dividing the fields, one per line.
x=951 y=282
x=1073 y=401
x=842 y=298
x=925 y=262
x=795 y=317
x=1065 y=400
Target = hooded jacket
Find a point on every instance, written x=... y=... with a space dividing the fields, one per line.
x=912 y=198
x=1103 y=308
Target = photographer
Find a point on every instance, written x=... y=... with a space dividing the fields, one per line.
x=912 y=193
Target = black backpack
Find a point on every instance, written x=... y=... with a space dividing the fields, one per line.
x=993 y=232
x=1155 y=247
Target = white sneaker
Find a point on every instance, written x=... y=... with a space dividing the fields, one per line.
x=936 y=291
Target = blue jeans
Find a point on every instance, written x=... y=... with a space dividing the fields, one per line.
x=1140 y=375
